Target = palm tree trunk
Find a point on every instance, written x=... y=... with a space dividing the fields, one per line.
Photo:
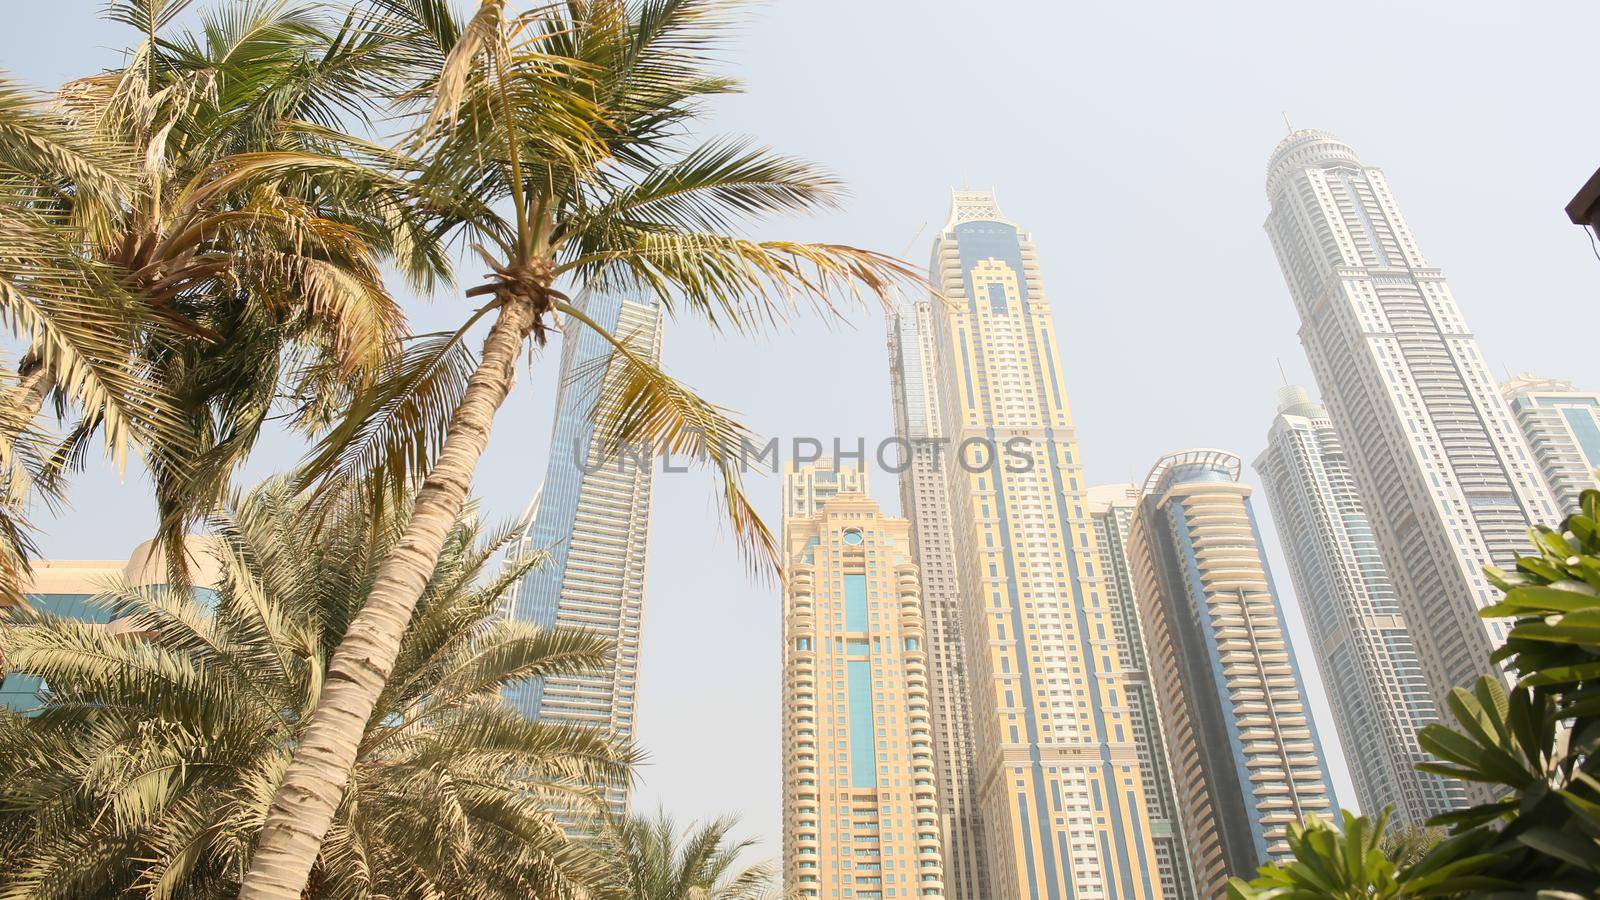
x=305 y=803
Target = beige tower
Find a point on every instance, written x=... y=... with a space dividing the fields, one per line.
x=1056 y=771
x=860 y=808
x=1245 y=756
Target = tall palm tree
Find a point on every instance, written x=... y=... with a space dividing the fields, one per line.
x=657 y=862
x=155 y=755
x=563 y=133
x=245 y=256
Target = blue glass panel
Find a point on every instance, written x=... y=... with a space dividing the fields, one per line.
x=863 y=744
x=207 y=598
x=20 y=692
x=995 y=241
x=997 y=298
x=855 y=603
x=1587 y=431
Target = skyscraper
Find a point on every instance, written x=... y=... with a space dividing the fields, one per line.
x=1056 y=768
x=925 y=498
x=1448 y=480
x=589 y=521
x=1562 y=427
x=1111 y=507
x=860 y=804
x=1369 y=663
x=1245 y=756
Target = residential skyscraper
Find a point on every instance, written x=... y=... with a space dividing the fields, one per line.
x=1111 y=508
x=1245 y=755
x=1562 y=427
x=1363 y=644
x=590 y=520
x=860 y=804
x=1055 y=761
x=925 y=498
x=1447 y=478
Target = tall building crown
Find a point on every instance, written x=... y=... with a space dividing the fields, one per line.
x=1529 y=383
x=1306 y=148
x=974 y=206
x=1295 y=400
x=1197 y=464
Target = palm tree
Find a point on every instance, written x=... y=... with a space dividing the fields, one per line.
x=562 y=133
x=150 y=766
x=70 y=309
x=656 y=862
x=244 y=257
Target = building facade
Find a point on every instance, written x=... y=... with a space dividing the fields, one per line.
x=588 y=526
x=1448 y=480
x=1056 y=770
x=1562 y=427
x=1369 y=663
x=860 y=802
x=925 y=499
x=1111 y=508
x=1245 y=755
x=67 y=588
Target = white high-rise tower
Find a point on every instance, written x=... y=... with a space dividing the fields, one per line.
x=1363 y=644
x=1449 y=482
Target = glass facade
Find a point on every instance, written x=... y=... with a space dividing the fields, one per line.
x=590 y=523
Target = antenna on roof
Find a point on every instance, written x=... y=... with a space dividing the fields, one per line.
x=1286 y=123
x=1281 y=373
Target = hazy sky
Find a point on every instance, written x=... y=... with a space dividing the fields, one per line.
x=1131 y=139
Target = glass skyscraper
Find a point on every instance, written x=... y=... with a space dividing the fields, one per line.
x=1446 y=476
x=1376 y=688
x=589 y=521
x=1055 y=769
x=860 y=803
x=1245 y=755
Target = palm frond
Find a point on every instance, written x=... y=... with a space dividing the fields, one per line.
x=734 y=283
x=395 y=430
x=645 y=405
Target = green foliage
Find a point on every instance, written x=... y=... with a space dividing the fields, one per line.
x=1534 y=744
x=150 y=767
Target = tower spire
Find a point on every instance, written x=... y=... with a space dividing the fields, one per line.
x=1286 y=123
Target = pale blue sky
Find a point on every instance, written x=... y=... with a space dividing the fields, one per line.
x=1131 y=138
